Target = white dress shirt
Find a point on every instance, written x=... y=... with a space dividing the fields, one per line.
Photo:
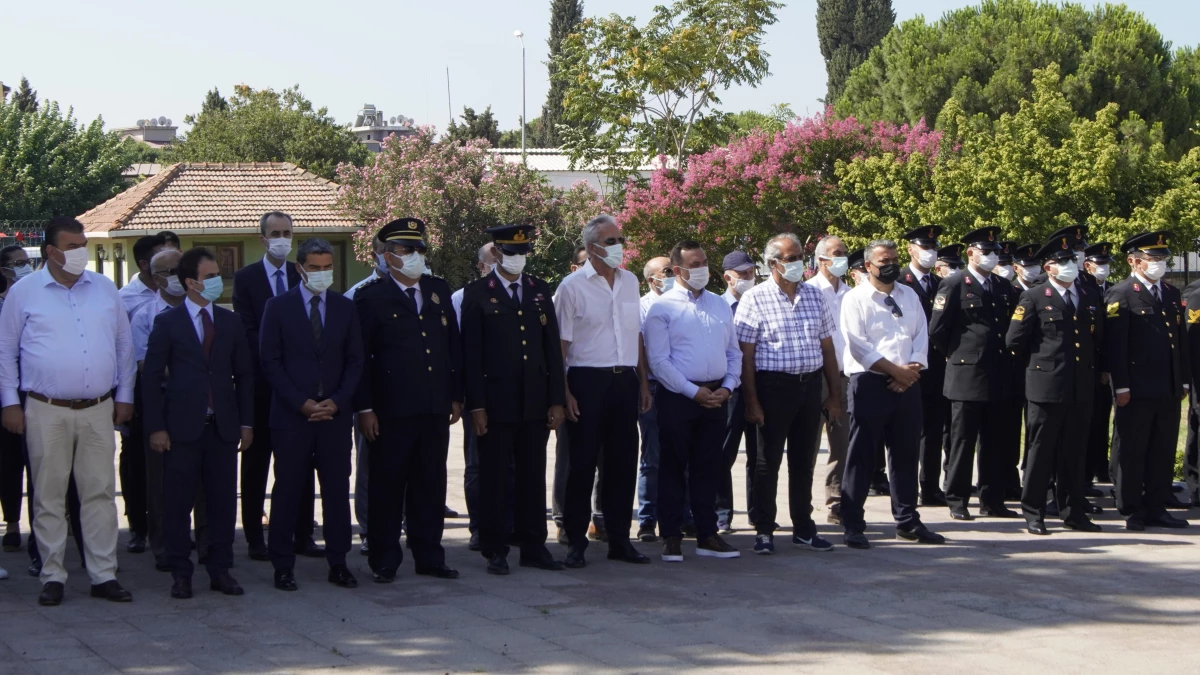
x=922 y=276
x=143 y=324
x=194 y=310
x=456 y=299
x=873 y=332
x=69 y=343
x=416 y=283
x=307 y=296
x=602 y=323
x=690 y=339
x=833 y=300
x=647 y=300
x=135 y=294
x=271 y=270
x=728 y=296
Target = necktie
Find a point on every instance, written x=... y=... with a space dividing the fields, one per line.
x=280 y=286
x=1154 y=292
x=987 y=286
x=412 y=299
x=314 y=317
x=206 y=325
x=1070 y=303
x=928 y=286
x=513 y=287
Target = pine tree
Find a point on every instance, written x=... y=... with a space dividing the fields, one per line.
x=565 y=16
x=214 y=102
x=25 y=99
x=847 y=30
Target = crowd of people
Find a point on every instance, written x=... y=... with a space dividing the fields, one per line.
x=921 y=375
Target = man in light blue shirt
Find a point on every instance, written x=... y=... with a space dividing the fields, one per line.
x=694 y=354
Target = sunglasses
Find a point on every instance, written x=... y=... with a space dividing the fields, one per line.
x=891 y=303
x=613 y=241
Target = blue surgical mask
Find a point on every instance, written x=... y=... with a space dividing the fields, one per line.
x=213 y=288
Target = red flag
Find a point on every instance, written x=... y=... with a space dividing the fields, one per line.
x=20 y=237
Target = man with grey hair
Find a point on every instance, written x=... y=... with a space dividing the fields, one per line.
x=887 y=344
x=659 y=278
x=832 y=264
x=786 y=329
x=600 y=329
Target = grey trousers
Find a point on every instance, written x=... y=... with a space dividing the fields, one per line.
x=838 y=432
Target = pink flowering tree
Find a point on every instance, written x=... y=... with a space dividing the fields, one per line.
x=740 y=195
x=460 y=190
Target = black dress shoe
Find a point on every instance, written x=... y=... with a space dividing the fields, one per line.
x=998 y=511
x=880 y=490
x=542 y=562
x=921 y=535
x=1037 y=527
x=449 y=512
x=497 y=564
x=1165 y=519
x=226 y=584
x=285 y=580
x=1135 y=524
x=575 y=559
x=182 y=588
x=856 y=540
x=473 y=543
x=12 y=542
x=310 y=549
x=339 y=575
x=137 y=543
x=439 y=571
x=111 y=591
x=960 y=513
x=628 y=554
x=384 y=577
x=259 y=552
x=51 y=595
x=938 y=499
x=1082 y=525
x=1091 y=509
x=1176 y=504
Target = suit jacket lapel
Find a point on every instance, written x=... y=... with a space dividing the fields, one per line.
x=398 y=296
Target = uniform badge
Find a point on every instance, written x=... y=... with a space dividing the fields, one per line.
x=939 y=303
x=967 y=281
x=908 y=277
x=491 y=283
x=1019 y=313
x=1194 y=316
x=540 y=297
x=1137 y=288
x=494 y=301
x=543 y=319
x=970 y=295
x=436 y=300
x=1049 y=293
x=1113 y=309
x=1092 y=328
x=529 y=281
x=444 y=321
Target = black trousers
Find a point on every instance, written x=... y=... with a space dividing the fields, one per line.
x=12 y=475
x=608 y=413
x=300 y=448
x=407 y=463
x=792 y=419
x=1191 y=453
x=256 y=466
x=1097 y=445
x=512 y=486
x=1057 y=452
x=1145 y=458
x=881 y=417
x=735 y=430
x=216 y=462
x=933 y=426
x=132 y=468
x=1009 y=444
x=691 y=441
x=973 y=422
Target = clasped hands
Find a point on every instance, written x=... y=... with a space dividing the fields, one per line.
x=711 y=399
x=904 y=377
x=319 y=412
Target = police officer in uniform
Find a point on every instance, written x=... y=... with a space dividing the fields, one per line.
x=1147 y=357
x=1077 y=234
x=1098 y=257
x=410 y=394
x=918 y=275
x=858 y=269
x=1014 y=409
x=515 y=396
x=970 y=317
x=1053 y=331
x=1025 y=267
x=1191 y=458
x=949 y=261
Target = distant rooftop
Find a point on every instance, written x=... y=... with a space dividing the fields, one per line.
x=545 y=160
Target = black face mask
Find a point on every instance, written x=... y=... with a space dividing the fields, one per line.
x=888 y=273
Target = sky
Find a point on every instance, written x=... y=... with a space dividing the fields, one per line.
x=135 y=59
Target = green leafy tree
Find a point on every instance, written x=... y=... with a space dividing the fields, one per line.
x=511 y=138
x=50 y=165
x=262 y=125
x=565 y=17
x=720 y=129
x=26 y=98
x=214 y=102
x=476 y=125
x=648 y=87
x=984 y=56
x=847 y=31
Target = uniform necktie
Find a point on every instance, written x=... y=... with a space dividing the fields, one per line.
x=280 y=287
x=1070 y=303
x=513 y=287
x=412 y=299
x=1154 y=292
x=206 y=326
x=314 y=317
x=928 y=286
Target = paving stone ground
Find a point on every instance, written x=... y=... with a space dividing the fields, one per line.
x=994 y=600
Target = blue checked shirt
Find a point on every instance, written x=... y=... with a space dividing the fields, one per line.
x=787 y=333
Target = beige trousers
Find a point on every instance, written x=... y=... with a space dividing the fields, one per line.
x=60 y=441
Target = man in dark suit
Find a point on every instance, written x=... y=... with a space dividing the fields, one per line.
x=253 y=286
x=1053 y=330
x=1147 y=358
x=919 y=276
x=970 y=317
x=311 y=349
x=409 y=395
x=515 y=395
x=1097 y=264
x=197 y=416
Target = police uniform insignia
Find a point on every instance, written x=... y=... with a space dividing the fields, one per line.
x=529 y=281
x=1048 y=292
x=543 y=319
x=970 y=295
x=1178 y=319
x=1113 y=309
x=908 y=278
x=1194 y=316
x=967 y=281
x=495 y=301
x=1137 y=288
x=1049 y=308
x=1019 y=313
x=444 y=321
x=540 y=297
x=412 y=226
x=939 y=303
x=436 y=300
x=491 y=283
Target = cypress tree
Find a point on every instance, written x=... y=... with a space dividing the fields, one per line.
x=847 y=31
x=25 y=99
x=565 y=16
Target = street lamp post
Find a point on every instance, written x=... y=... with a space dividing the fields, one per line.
x=521 y=36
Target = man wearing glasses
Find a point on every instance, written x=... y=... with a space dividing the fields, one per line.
x=785 y=330
x=887 y=344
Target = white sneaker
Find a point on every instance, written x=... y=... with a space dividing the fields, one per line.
x=3 y=573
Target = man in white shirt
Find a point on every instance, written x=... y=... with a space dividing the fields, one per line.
x=886 y=346
x=832 y=264
x=600 y=327
x=141 y=288
x=694 y=354
x=660 y=278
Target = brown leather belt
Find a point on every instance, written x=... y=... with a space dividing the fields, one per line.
x=711 y=386
x=72 y=403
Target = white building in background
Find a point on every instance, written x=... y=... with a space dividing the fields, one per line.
x=555 y=165
x=371 y=127
x=154 y=132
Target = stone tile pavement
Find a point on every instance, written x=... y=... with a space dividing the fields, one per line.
x=993 y=600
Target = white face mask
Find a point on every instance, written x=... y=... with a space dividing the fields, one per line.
x=613 y=255
x=1155 y=270
x=1003 y=271
x=318 y=282
x=279 y=248
x=947 y=273
x=1028 y=274
x=793 y=271
x=987 y=262
x=739 y=285
x=22 y=271
x=1067 y=271
x=927 y=258
x=664 y=283
x=381 y=263
x=412 y=265
x=1101 y=272
x=860 y=278
x=513 y=264
x=175 y=287
x=697 y=278
x=488 y=268
x=75 y=261
x=838 y=265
